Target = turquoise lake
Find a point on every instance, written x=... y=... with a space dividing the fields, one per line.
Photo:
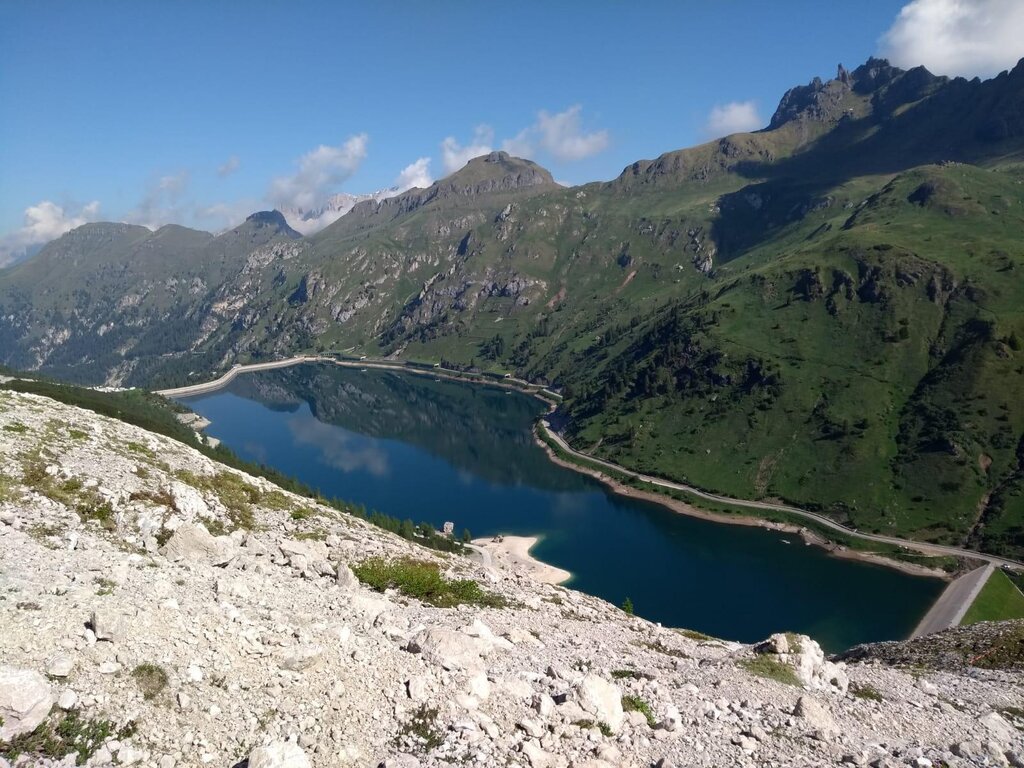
x=433 y=451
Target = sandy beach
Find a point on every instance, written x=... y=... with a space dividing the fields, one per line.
x=513 y=553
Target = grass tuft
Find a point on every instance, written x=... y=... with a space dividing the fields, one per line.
x=423 y=580
x=637 y=704
x=151 y=679
x=766 y=666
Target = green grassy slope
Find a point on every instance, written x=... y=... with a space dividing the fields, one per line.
x=998 y=600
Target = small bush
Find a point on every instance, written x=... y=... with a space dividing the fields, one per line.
x=93 y=510
x=151 y=680
x=865 y=691
x=693 y=634
x=636 y=704
x=140 y=449
x=423 y=580
x=627 y=606
x=70 y=733
x=604 y=728
x=660 y=647
x=17 y=427
x=420 y=732
x=766 y=666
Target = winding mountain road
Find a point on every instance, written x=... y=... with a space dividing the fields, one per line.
x=926 y=548
x=917 y=546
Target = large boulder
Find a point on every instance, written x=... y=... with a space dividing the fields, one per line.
x=25 y=701
x=188 y=502
x=808 y=662
x=815 y=715
x=193 y=542
x=452 y=650
x=278 y=754
x=601 y=699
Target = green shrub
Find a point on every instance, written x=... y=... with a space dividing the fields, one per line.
x=421 y=731
x=423 y=580
x=766 y=666
x=637 y=704
x=68 y=734
x=151 y=679
x=865 y=691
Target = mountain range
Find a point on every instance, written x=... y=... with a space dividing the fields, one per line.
x=828 y=311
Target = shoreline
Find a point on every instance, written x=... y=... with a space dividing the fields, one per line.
x=682 y=508
x=512 y=553
x=673 y=505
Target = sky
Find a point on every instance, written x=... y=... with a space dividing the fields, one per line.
x=200 y=113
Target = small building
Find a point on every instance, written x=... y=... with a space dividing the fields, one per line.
x=449 y=529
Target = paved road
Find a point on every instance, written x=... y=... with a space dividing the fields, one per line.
x=953 y=603
x=209 y=386
x=917 y=546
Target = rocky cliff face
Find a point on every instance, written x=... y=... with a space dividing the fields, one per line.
x=160 y=609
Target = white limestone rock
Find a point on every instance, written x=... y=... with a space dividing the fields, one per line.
x=25 y=700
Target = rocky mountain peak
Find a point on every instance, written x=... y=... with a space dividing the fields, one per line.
x=495 y=172
x=273 y=220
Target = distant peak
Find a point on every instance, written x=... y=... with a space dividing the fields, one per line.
x=274 y=220
x=497 y=171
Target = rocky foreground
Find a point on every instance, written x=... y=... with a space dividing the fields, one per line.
x=157 y=608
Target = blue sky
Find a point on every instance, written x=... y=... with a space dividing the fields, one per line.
x=134 y=106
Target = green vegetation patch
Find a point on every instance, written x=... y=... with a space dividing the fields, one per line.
x=423 y=580
x=237 y=496
x=693 y=634
x=421 y=730
x=998 y=600
x=17 y=427
x=637 y=704
x=773 y=669
x=68 y=734
x=151 y=679
x=865 y=691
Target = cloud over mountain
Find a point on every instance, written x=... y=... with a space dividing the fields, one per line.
x=957 y=37
x=415 y=174
x=43 y=222
x=733 y=117
x=455 y=155
x=319 y=171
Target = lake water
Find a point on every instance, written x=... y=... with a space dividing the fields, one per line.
x=414 y=447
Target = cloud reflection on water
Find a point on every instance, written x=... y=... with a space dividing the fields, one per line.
x=339 y=448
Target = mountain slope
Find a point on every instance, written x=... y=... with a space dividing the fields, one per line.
x=828 y=311
x=166 y=594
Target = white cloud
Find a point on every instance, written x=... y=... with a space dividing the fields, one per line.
x=455 y=155
x=560 y=135
x=415 y=174
x=319 y=171
x=229 y=166
x=957 y=37
x=43 y=222
x=162 y=204
x=734 y=117
x=219 y=217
